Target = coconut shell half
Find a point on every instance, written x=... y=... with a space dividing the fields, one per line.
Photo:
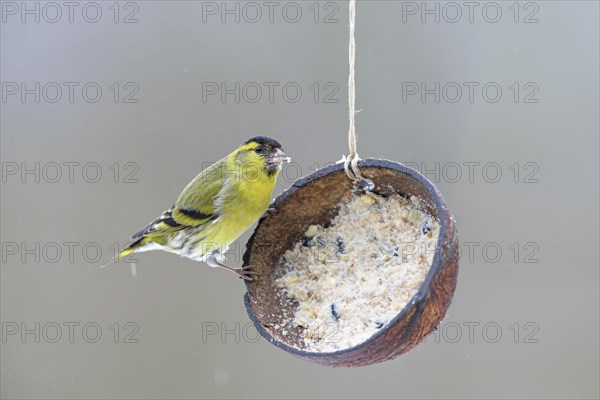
x=315 y=199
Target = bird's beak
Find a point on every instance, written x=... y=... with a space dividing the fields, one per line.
x=279 y=157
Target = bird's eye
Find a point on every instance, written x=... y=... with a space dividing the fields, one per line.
x=259 y=149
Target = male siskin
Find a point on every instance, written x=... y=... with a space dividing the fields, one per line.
x=215 y=208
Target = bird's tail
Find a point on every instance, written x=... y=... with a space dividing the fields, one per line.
x=132 y=247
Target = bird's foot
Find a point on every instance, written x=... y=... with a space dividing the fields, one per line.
x=270 y=212
x=242 y=273
x=245 y=273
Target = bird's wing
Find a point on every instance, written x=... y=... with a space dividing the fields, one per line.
x=160 y=226
x=195 y=206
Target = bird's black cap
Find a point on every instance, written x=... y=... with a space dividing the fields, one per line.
x=265 y=141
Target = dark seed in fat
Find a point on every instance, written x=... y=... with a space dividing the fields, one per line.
x=425 y=229
x=334 y=311
x=341 y=247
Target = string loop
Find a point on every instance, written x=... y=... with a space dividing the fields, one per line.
x=351 y=162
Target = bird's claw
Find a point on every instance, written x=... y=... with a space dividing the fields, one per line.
x=245 y=272
x=270 y=212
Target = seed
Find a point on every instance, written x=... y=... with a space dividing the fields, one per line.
x=334 y=311
x=340 y=244
x=425 y=229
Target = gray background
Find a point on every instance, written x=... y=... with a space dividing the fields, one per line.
x=171 y=134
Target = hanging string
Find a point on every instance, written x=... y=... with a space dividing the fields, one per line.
x=351 y=162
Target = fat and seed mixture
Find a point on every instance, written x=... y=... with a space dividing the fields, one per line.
x=353 y=277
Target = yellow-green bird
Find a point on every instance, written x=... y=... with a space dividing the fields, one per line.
x=215 y=208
